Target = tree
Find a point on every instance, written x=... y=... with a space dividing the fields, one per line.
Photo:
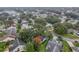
x=42 y=30
x=76 y=26
x=18 y=27
x=40 y=21
x=68 y=25
x=26 y=35
x=38 y=28
x=1 y=23
x=29 y=47
x=52 y=19
x=60 y=29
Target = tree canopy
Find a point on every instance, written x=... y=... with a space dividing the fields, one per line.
x=60 y=29
x=52 y=19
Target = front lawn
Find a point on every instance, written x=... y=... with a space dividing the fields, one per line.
x=66 y=47
x=72 y=36
x=3 y=46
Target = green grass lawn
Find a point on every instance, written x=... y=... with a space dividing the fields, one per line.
x=43 y=45
x=72 y=36
x=2 y=46
x=66 y=47
x=76 y=44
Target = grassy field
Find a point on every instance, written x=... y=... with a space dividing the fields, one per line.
x=2 y=46
x=66 y=47
x=71 y=36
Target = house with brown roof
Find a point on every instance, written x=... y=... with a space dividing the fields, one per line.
x=38 y=39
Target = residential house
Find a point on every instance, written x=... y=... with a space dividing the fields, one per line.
x=24 y=24
x=11 y=30
x=9 y=38
x=38 y=39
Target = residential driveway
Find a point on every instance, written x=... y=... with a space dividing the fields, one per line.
x=53 y=46
x=17 y=45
